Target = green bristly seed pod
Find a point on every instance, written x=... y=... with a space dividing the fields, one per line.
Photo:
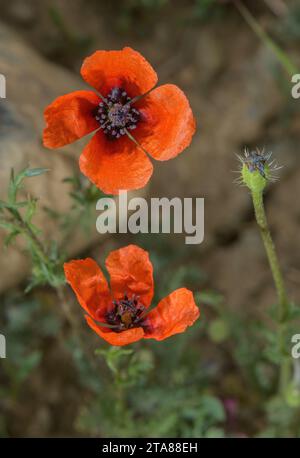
x=254 y=180
x=257 y=170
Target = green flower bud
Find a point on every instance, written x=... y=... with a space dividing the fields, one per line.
x=253 y=180
x=256 y=170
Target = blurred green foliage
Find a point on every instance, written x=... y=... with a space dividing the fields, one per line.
x=67 y=44
x=218 y=379
x=16 y=217
x=289 y=28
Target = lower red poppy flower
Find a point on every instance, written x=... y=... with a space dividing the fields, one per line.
x=130 y=116
x=120 y=314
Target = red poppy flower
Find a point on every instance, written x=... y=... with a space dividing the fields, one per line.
x=120 y=314
x=130 y=118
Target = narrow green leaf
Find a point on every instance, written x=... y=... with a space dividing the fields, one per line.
x=10 y=238
x=35 y=172
x=30 y=211
x=12 y=189
x=8 y=226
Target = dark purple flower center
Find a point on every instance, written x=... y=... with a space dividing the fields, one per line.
x=127 y=313
x=116 y=114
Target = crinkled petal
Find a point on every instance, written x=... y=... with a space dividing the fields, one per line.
x=169 y=124
x=173 y=315
x=69 y=118
x=131 y=272
x=114 y=165
x=116 y=338
x=90 y=286
x=125 y=68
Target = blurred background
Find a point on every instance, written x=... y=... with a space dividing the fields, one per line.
x=218 y=378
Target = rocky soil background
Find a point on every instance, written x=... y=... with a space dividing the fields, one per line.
x=240 y=96
x=238 y=93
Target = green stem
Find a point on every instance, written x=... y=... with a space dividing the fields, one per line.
x=282 y=56
x=30 y=235
x=120 y=398
x=271 y=253
x=283 y=304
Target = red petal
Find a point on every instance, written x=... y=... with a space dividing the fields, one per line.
x=69 y=118
x=173 y=315
x=131 y=272
x=116 y=338
x=169 y=122
x=89 y=285
x=127 y=69
x=115 y=165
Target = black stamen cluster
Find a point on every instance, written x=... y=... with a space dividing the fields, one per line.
x=116 y=114
x=127 y=313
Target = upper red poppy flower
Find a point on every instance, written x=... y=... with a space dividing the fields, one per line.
x=120 y=314
x=129 y=116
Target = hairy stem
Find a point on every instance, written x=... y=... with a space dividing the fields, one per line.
x=31 y=236
x=283 y=304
